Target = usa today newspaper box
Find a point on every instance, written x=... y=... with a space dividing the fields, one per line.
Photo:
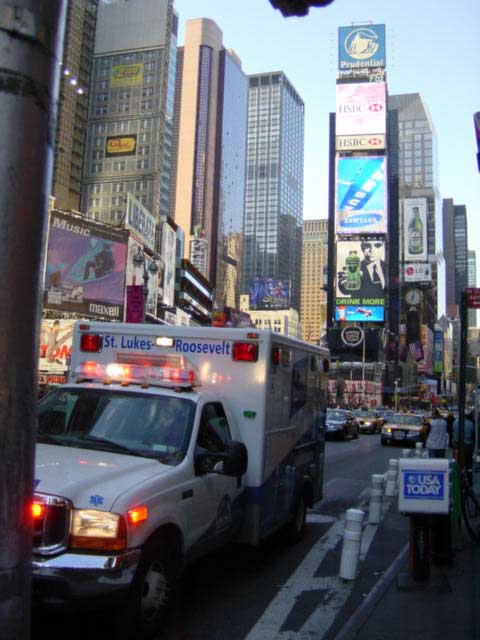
x=423 y=486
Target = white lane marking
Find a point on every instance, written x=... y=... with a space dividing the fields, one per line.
x=318 y=518
x=269 y=625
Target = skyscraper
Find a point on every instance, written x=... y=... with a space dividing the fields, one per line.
x=313 y=312
x=274 y=182
x=418 y=180
x=130 y=123
x=73 y=102
x=209 y=157
x=455 y=249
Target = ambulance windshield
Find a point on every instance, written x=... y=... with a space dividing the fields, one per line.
x=138 y=424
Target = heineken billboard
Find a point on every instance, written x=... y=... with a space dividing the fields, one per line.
x=415 y=229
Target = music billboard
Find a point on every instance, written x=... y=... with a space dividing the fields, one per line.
x=85 y=267
x=361 y=109
x=415 y=229
x=362 y=274
x=361 y=195
x=269 y=294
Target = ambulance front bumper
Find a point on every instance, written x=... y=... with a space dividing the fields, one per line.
x=72 y=578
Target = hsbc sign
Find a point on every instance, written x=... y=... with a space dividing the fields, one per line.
x=361 y=108
x=352 y=143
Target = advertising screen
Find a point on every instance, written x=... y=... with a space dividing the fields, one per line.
x=415 y=229
x=168 y=249
x=134 y=274
x=269 y=294
x=437 y=351
x=362 y=274
x=361 y=109
x=55 y=346
x=126 y=75
x=139 y=219
x=361 y=47
x=121 y=146
x=85 y=267
x=347 y=313
x=361 y=195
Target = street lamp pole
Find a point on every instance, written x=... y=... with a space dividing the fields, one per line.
x=396 y=395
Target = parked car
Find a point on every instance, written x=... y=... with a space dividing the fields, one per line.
x=369 y=421
x=341 y=423
x=404 y=429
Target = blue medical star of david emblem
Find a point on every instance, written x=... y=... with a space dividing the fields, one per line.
x=96 y=500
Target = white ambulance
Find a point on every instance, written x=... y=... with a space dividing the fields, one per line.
x=166 y=443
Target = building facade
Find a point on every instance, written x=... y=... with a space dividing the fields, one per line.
x=209 y=157
x=283 y=321
x=73 y=102
x=274 y=183
x=130 y=123
x=313 y=312
x=455 y=251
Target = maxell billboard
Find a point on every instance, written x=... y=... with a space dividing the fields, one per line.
x=361 y=109
x=85 y=267
x=361 y=47
x=415 y=229
x=361 y=195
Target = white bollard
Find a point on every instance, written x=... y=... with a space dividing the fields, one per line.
x=352 y=539
x=405 y=453
x=376 y=494
x=392 y=476
x=418 y=449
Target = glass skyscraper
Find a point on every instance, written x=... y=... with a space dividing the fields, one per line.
x=274 y=182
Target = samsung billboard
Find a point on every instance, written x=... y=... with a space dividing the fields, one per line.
x=361 y=109
x=361 y=195
x=361 y=47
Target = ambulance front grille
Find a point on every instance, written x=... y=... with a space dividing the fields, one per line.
x=51 y=531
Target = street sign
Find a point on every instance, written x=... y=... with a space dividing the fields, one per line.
x=473 y=298
x=424 y=485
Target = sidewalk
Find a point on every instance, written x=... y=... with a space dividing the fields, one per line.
x=447 y=607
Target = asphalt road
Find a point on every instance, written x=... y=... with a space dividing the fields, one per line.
x=274 y=591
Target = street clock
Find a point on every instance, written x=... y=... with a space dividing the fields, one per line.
x=414 y=297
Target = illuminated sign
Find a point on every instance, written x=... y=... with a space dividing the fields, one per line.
x=361 y=47
x=361 y=109
x=362 y=274
x=361 y=195
x=417 y=272
x=347 y=313
x=126 y=75
x=121 y=146
x=269 y=293
x=364 y=142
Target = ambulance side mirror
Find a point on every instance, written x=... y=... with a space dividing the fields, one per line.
x=231 y=462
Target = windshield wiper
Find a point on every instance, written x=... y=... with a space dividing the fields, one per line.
x=117 y=447
x=46 y=438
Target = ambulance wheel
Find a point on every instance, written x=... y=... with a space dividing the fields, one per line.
x=296 y=527
x=153 y=590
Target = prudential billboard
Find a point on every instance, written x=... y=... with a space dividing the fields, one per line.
x=361 y=195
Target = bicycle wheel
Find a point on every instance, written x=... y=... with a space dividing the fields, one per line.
x=471 y=513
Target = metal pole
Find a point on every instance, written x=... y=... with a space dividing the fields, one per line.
x=363 y=364
x=462 y=379
x=145 y=290
x=31 y=36
x=396 y=395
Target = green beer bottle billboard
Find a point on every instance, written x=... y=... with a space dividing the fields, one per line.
x=415 y=233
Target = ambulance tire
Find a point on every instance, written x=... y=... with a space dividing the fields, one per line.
x=153 y=590
x=296 y=527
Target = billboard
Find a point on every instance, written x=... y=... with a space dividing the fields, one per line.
x=121 y=146
x=415 y=229
x=85 y=267
x=139 y=219
x=269 y=294
x=349 y=313
x=362 y=273
x=361 y=109
x=126 y=75
x=134 y=276
x=437 y=351
x=168 y=249
x=55 y=346
x=417 y=272
x=363 y=142
x=361 y=195
x=361 y=47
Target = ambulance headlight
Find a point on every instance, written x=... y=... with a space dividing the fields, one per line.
x=101 y=530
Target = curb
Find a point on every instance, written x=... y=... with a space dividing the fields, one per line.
x=360 y=616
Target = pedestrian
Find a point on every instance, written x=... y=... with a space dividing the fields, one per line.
x=437 y=441
x=468 y=437
x=450 y=419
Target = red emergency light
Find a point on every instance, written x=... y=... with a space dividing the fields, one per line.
x=91 y=342
x=245 y=352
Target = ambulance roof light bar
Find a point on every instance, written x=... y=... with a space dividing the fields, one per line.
x=124 y=373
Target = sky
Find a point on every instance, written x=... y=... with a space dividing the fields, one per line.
x=433 y=48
